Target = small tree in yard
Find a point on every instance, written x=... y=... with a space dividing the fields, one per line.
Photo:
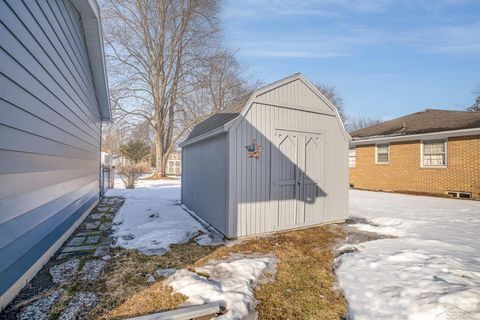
x=135 y=150
x=130 y=173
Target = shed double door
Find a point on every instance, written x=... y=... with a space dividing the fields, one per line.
x=298 y=164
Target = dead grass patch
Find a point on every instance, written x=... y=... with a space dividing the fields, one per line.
x=304 y=286
x=123 y=288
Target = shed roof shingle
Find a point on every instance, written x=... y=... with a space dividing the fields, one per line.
x=218 y=119
x=427 y=121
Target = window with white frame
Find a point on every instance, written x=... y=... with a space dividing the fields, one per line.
x=174 y=166
x=434 y=153
x=352 y=155
x=383 y=153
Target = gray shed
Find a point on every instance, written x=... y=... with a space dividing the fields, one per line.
x=275 y=160
x=53 y=98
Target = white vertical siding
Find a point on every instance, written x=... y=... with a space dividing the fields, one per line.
x=253 y=212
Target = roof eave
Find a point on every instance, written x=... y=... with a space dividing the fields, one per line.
x=419 y=136
x=206 y=135
x=91 y=21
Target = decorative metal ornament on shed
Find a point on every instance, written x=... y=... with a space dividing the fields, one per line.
x=254 y=150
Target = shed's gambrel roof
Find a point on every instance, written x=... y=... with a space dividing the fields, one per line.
x=221 y=119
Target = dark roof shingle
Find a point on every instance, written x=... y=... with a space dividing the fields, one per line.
x=218 y=119
x=427 y=121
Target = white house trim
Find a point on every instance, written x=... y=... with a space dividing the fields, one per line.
x=90 y=16
x=446 y=154
x=204 y=136
x=423 y=136
x=376 y=153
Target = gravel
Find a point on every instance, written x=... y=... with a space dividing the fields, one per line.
x=79 y=305
x=64 y=272
x=92 y=270
x=40 y=309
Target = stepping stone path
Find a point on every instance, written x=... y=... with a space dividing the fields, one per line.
x=40 y=309
x=89 y=245
x=95 y=234
x=80 y=302
x=64 y=272
x=92 y=270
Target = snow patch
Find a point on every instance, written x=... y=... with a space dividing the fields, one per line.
x=430 y=270
x=151 y=219
x=230 y=281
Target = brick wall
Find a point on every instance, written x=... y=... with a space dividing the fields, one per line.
x=405 y=174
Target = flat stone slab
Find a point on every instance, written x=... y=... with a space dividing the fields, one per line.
x=40 y=309
x=92 y=270
x=92 y=225
x=78 y=248
x=102 y=209
x=89 y=233
x=80 y=302
x=76 y=241
x=105 y=226
x=64 y=272
x=106 y=241
x=165 y=272
x=109 y=216
x=96 y=216
x=93 y=239
x=101 y=251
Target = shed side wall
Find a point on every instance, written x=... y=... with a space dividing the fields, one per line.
x=250 y=186
x=49 y=129
x=205 y=180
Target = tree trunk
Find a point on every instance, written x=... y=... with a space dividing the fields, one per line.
x=159 y=160
x=165 y=161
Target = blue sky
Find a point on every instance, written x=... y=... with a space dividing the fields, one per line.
x=385 y=57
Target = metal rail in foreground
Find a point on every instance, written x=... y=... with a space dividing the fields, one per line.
x=187 y=313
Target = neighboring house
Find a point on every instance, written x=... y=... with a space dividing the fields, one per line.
x=429 y=152
x=106 y=159
x=174 y=164
x=275 y=160
x=121 y=160
x=53 y=99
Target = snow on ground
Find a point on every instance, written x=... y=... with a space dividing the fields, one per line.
x=231 y=282
x=431 y=270
x=151 y=218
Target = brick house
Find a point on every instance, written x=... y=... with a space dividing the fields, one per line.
x=434 y=152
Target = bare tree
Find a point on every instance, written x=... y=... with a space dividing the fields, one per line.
x=154 y=49
x=221 y=79
x=476 y=105
x=331 y=94
x=360 y=123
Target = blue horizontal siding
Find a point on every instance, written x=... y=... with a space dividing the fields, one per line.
x=49 y=132
x=13 y=229
x=52 y=230
x=20 y=162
